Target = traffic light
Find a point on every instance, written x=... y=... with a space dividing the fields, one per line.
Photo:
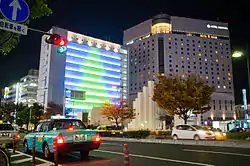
x=62 y=49
x=56 y=39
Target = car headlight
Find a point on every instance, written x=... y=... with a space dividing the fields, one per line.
x=217 y=134
x=202 y=132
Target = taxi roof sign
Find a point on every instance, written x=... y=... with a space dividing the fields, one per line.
x=58 y=117
x=1 y=121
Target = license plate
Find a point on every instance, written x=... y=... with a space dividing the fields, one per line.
x=79 y=137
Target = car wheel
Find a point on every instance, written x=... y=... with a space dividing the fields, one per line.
x=84 y=154
x=46 y=152
x=26 y=149
x=175 y=137
x=196 y=137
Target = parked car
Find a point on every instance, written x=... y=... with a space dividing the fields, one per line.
x=191 y=132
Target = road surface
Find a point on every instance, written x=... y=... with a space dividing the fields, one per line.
x=148 y=154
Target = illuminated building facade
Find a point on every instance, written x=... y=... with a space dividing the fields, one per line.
x=176 y=45
x=95 y=67
x=24 y=91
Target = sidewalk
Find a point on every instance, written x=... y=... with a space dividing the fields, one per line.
x=235 y=144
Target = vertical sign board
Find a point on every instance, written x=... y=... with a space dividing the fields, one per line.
x=245 y=102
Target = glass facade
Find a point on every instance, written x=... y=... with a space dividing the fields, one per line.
x=95 y=71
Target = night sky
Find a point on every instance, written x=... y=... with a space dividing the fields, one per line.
x=107 y=20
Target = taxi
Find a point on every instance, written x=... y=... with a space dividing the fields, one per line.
x=218 y=133
x=67 y=134
x=109 y=128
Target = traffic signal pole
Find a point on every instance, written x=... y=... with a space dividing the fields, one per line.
x=40 y=31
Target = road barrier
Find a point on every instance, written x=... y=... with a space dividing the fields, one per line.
x=55 y=153
x=34 y=150
x=14 y=143
x=126 y=156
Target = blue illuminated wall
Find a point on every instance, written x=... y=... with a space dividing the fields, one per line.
x=94 y=70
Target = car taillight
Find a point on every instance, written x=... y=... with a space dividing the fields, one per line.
x=97 y=138
x=59 y=139
x=18 y=136
x=70 y=129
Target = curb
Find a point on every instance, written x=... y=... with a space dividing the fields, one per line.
x=234 y=144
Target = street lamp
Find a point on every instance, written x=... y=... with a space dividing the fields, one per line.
x=238 y=54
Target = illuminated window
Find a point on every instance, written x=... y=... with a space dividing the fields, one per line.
x=206 y=77
x=187 y=58
x=199 y=54
x=183 y=75
x=182 y=44
x=217 y=60
x=220 y=44
x=229 y=74
x=216 y=52
x=218 y=86
x=161 y=28
x=162 y=74
x=229 y=78
x=218 y=78
x=222 y=61
x=224 y=87
x=200 y=76
x=170 y=52
x=199 y=45
x=205 y=59
x=169 y=38
x=182 y=57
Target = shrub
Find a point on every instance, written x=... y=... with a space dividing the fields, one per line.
x=109 y=133
x=239 y=136
x=136 y=134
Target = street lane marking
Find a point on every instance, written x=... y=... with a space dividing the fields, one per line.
x=21 y=161
x=225 y=153
x=16 y=155
x=157 y=158
x=37 y=158
x=106 y=143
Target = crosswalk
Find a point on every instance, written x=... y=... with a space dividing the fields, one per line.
x=22 y=159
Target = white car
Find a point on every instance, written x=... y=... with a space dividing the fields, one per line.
x=191 y=132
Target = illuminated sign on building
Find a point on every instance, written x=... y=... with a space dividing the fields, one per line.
x=244 y=93
x=216 y=27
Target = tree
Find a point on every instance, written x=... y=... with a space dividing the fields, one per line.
x=26 y=115
x=7 y=111
x=38 y=9
x=183 y=96
x=117 y=112
x=23 y=115
x=37 y=113
x=53 y=109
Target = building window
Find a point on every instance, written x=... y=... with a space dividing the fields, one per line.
x=225 y=105
x=220 y=104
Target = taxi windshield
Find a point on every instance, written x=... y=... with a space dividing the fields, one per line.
x=6 y=127
x=67 y=123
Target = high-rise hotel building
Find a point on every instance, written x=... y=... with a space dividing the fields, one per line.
x=93 y=66
x=177 y=45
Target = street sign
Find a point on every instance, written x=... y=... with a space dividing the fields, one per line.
x=13 y=27
x=15 y=10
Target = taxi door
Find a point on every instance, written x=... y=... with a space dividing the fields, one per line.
x=35 y=133
x=40 y=136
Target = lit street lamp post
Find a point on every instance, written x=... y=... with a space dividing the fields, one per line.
x=238 y=54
